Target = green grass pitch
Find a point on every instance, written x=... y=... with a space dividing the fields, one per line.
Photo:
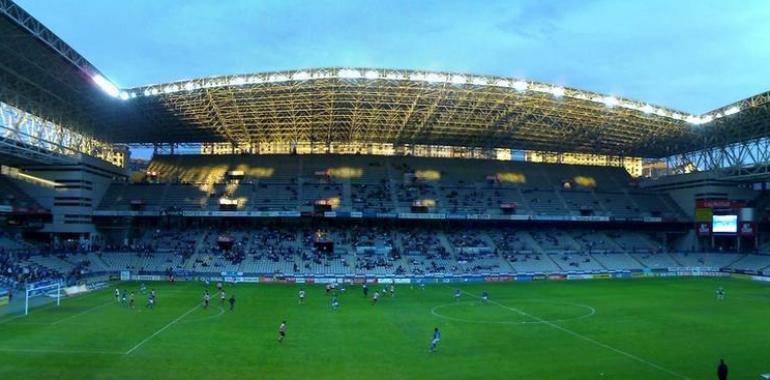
x=600 y=329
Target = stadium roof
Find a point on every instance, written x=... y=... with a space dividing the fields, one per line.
x=42 y=75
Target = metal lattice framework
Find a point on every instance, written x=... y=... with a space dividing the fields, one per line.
x=402 y=107
x=43 y=76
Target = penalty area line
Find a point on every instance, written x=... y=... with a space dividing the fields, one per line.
x=162 y=329
x=587 y=339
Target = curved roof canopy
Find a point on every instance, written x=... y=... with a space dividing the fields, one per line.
x=42 y=75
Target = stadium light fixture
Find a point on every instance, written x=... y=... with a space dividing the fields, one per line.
x=106 y=85
x=394 y=76
x=459 y=79
x=302 y=75
x=434 y=78
x=349 y=74
x=610 y=101
x=520 y=85
x=479 y=81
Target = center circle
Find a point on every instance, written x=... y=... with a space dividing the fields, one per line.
x=514 y=312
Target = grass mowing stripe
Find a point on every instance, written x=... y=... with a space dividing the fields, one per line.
x=82 y=312
x=587 y=339
x=162 y=329
x=46 y=351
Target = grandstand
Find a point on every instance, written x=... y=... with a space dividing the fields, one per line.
x=407 y=176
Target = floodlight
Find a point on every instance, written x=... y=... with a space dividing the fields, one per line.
x=349 y=74
x=479 y=81
x=458 y=79
x=124 y=95
x=106 y=85
x=610 y=101
x=433 y=78
x=394 y=76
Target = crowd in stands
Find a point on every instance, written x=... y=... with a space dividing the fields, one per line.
x=320 y=249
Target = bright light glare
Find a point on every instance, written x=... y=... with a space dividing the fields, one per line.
x=610 y=101
x=302 y=75
x=433 y=78
x=557 y=92
x=479 y=81
x=647 y=108
x=458 y=79
x=371 y=74
x=520 y=85
x=350 y=74
x=105 y=85
x=732 y=110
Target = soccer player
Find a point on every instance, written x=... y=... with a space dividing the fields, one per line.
x=131 y=300
x=222 y=297
x=117 y=295
x=328 y=288
x=484 y=296
x=435 y=340
x=143 y=288
x=232 y=302
x=457 y=294
x=392 y=290
x=206 y=299
x=366 y=290
x=375 y=297
x=152 y=294
x=124 y=296
x=301 y=296
x=335 y=302
x=219 y=286
x=720 y=293
x=151 y=301
x=282 y=331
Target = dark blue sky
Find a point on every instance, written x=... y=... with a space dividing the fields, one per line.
x=692 y=55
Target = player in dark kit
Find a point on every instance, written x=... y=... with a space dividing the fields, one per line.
x=206 y=299
x=722 y=370
x=232 y=302
x=366 y=290
x=282 y=331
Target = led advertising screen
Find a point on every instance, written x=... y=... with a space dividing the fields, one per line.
x=725 y=224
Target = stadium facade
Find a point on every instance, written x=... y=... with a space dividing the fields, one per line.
x=430 y=169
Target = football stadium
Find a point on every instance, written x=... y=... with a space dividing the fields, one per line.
x=371 y=223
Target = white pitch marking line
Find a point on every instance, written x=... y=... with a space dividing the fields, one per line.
x=82 y=312
x=585 y=338
x=162 y=329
